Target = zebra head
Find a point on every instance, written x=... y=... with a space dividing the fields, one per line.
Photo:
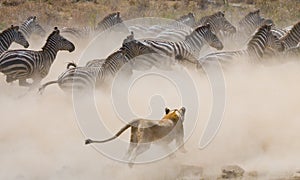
x=206 y=33
x=30 y=26
x=225 y=25
x=109 y=21
x=251 y=22
x=274 y=43
x=59 y=42
x=188 y=19
x=18 y=37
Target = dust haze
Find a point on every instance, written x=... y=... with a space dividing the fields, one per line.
x=40 y=137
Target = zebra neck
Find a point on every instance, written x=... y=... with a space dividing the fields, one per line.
x=49 y=51
x=6 y=39
x=195 y=41
x=257 y=44
x=26 y=29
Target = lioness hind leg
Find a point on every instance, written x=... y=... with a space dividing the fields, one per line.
x=140 y=148
x=133 y=142
x=129 y=151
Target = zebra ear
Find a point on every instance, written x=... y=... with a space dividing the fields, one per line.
x=223 y=13
x=56 y=29
x=34 y=17
x=167 y=110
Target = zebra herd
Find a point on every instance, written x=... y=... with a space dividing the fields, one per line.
x=179 y=41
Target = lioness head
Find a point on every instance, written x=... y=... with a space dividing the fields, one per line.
x=175 y=114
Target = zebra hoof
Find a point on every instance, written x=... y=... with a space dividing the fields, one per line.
x=88 y=141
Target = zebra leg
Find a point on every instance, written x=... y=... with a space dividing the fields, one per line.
x=23 y=82
x=9 y=79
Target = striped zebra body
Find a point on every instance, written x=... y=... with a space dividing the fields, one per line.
x=95 y=63
x=292 y=38
x=155 y=31
x=10 y=35
x=86 y=78
x=75 y=77
x=190 y=47
x=254 y=51
x=31 y=26
x=78 y=33
x=87 y=32
x=293 y=52
x=174 y=34
x=25 y=64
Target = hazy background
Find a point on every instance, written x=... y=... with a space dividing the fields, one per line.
x=40 y=137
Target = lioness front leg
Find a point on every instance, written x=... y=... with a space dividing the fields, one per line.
x=180 y=144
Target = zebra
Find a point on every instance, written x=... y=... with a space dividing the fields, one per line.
x=24 y=64
x=31 y=25
x=89 y=76
x=248 y=25
x=254 y=51
x=188 y=48
x=9 y=35
x=182 y=23
x=251 y=22
x=219 y=24
x=86 y=32
x=292 y=38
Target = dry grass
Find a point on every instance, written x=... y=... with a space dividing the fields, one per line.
x=68 y=12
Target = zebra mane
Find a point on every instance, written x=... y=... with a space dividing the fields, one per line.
x=204 y=28
x=54 y=33
x=12 y=27
x=30 y=19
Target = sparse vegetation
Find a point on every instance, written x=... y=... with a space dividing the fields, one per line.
x=89 y=12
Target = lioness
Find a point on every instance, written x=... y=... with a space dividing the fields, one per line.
x=144 y=132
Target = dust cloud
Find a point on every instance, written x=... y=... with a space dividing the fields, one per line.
x=40 y=137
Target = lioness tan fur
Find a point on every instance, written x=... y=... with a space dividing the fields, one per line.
x=144 y=132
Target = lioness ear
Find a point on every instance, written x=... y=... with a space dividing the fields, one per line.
x=167 y=110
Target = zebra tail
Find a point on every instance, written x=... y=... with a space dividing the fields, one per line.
x=42 y=88
x=89 y=141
